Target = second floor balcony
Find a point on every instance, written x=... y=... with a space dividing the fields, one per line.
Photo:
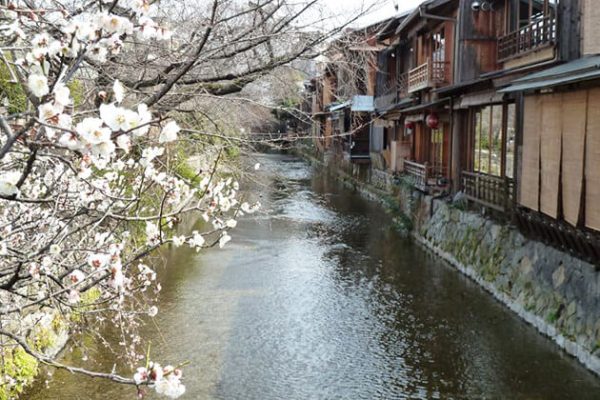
x=427 y=75
x=537 y=35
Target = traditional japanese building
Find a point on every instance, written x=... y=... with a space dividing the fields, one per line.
x=492 y=99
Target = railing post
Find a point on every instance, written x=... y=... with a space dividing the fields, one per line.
x=429 y=71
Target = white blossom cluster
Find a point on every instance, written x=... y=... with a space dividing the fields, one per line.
x=166 y=380
x=86 y=193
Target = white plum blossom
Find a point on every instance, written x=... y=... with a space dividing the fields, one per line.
x=55 y=249
x=73 y=296
x=38 y=84
x=196 y=241
x=153 y=311
x=169 y=132
x=115 y=24
x=225 y=238
x=178 y=241
x=62 y=95
x=76 y=276
x=141 y=376
x=118 y=118
x=150 y=154
x=153 y=234
x=92 y=131
x=98 y=260
x=8 y=183
x=119 y=91
x=171 y=385
x=124 y=143
x=144 y=119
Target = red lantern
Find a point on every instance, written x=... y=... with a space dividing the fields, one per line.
x=409 y=125
x=432 y=121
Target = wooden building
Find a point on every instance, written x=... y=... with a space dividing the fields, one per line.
x=496 y=100
x=343 y=95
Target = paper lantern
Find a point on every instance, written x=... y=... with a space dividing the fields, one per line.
x=432 y=121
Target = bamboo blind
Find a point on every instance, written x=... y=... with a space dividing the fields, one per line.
x=592 y=166
x=550 y=149
x=530 y=182
x=574 y=111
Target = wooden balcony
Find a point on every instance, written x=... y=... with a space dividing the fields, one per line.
x=535 y=36
x=489 y=191
x=429 y=74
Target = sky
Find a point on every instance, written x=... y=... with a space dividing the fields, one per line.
x=381 y=9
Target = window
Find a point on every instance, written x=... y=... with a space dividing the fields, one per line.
x=439 y=46
x=494 y=141
x=531 y=11
x=511 y=134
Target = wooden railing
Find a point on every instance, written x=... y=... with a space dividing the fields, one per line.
x=537 y=35
x=490 y=191
x=418 y=78
x=582 y=243
x=418 y=174
x=429 y=74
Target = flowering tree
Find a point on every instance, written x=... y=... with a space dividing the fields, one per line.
x=88 y=183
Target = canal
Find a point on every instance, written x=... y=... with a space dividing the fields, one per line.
x=318 y=297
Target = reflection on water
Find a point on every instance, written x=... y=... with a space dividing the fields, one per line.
x=319 y=298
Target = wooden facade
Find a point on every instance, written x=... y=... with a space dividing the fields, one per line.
x=530 y=154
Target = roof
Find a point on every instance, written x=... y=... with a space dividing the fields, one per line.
x=357 y=104
x=390 y=28
x=421 y=107
x=582 y=69
x=363 y=104
x=396 y=107
x=336 y=107
x=423 y=7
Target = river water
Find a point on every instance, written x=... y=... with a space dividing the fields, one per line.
x=318 y=297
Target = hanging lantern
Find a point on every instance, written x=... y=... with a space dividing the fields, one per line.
x=432 y=121
x=409 y=127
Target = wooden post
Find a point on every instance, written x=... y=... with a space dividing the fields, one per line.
x=456 y=135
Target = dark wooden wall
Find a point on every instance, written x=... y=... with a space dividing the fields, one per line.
x=569 y=29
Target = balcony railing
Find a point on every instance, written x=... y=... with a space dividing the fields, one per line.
x=418 y=174
x=392 y=93
x=490 y=191
x=429 y=74
x=535 y=36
